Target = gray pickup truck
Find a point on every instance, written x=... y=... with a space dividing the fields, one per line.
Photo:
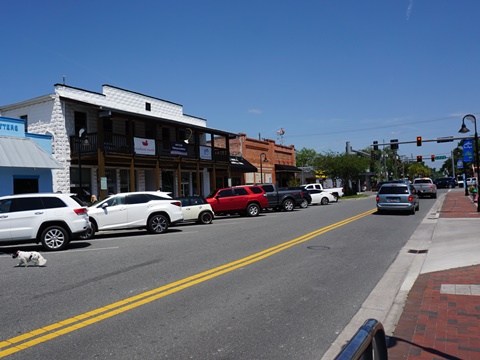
x=425 y=187
x=282 y=199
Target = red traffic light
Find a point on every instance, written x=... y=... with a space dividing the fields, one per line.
x=419 y=158
x=419 y=141
x=433 y=157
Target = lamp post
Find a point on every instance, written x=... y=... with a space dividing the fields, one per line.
x=261 y=167
x=82 y=140
x=464 y=130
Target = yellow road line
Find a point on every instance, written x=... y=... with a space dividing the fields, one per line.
x=77 y=322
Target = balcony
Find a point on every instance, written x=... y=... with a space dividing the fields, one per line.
x=123 y=145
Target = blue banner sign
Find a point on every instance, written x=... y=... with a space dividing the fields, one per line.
x=467 y=150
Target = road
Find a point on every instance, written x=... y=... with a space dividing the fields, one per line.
x=278 y=286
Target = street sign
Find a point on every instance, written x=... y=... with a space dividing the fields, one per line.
x=440 y=157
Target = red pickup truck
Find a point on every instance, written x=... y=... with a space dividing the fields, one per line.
x=244 y=200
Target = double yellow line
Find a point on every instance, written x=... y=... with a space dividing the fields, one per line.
x=35 y=337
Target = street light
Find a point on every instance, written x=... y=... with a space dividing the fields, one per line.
x=261 y=167
x=82 y=141
x=464 y=130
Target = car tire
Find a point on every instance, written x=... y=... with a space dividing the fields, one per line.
x=413 y=210
x=205 y=217
x=304 y=204
x=288 y=205
x=324 y=201
x=336 y=197
x=434 y=196
x=418 y=206
x=253 y=210
x=54 y=238
x=157 y=224
x=90 y=232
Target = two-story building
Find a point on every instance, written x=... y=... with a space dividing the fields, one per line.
x=119 y=140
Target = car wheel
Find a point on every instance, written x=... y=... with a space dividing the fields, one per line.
x=413 y=210
x=450 y=186
x=288 y=205
x=434 y=196
x=324 y=201
x=418 y=206
x=205 y=217
x=90 y=232
x=157 y=224
x=336 y=197
x=253 y=210
x=54 y=237
x=304 y=204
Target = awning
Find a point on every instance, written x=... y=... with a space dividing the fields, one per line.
x=286 y=168
x=239 y=164
x=25 y=153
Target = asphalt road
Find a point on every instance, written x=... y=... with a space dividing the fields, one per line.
x=278 y=286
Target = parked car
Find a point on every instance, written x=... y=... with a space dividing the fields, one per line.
x=337 y=192
x=320 y=197
x=243 y=200
x=445 y=183
x=47 y=218
x=151 y=210
x=196 y=208
x=281 y=199
x=397 y=197
x=307 y=199
x=472 y=181
x=425 y=187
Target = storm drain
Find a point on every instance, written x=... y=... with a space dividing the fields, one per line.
x=413 y=251
x=318 y=248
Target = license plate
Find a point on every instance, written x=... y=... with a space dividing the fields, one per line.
x=393 y=200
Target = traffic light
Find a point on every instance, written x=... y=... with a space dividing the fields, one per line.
x=419 y=158
x=394 y=144
x=433 y=157
x=375 y=145
x=419 y=141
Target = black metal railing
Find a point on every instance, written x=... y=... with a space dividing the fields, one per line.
x=368 y=343
x=122 y=144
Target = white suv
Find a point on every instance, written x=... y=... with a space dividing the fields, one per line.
x=50 y=219
x=153 y=210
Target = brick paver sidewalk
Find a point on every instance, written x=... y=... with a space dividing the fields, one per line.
x=441 y=318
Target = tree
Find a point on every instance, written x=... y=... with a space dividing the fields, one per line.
x=346 y=167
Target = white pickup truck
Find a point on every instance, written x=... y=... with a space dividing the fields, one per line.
x=336 y=192
x=425 y=187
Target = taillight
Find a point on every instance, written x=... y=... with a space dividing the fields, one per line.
x=377 y=198
x=176 y=203
x=81 y=211
x=410 y=198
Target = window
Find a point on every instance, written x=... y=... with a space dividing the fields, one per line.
x=137 y=199
x=226 y=192
x=241 y=191
x=148 y=106
x=155 y=197
x=26 y=204
x=53 y=202
x=268 y=188
x=5 y=206
x=256 y=190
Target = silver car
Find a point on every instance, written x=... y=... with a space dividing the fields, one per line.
x=397 y=197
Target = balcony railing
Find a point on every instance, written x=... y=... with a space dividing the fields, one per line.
x=121 y=144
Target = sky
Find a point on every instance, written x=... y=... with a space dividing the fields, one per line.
x=326 y=72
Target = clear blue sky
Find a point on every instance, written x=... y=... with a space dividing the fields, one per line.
x=327 y=72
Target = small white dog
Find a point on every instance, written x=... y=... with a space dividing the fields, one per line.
x=29 y=256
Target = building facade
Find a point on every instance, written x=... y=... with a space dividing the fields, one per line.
x=119 y=140
x=25 y=159
x=272 y=163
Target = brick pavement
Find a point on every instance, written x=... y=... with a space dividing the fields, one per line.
x=441 y=317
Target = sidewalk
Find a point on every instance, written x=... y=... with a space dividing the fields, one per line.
x=441 y=317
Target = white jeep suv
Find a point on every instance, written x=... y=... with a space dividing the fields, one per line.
x=47 y=218
x=153 y=210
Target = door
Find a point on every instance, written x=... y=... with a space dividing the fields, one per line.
x=112 y=216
